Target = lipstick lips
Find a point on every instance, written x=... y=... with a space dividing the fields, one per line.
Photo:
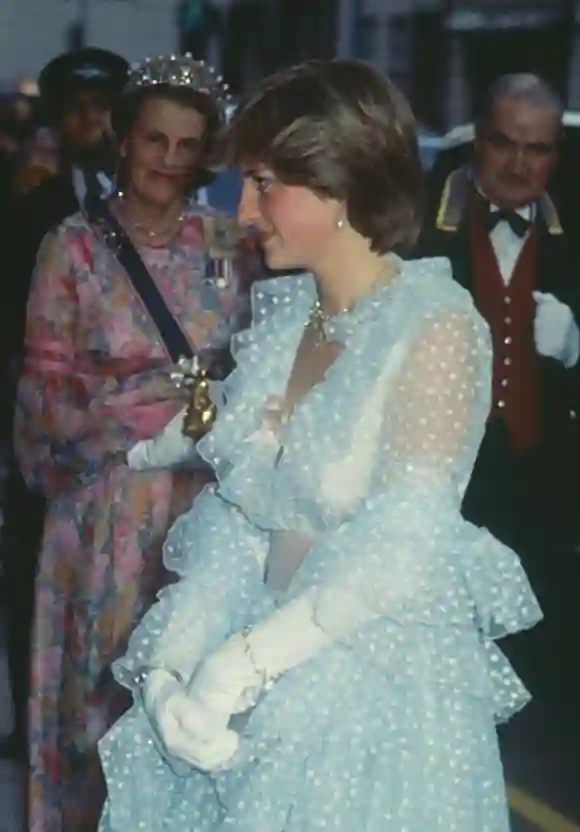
x=170 y=177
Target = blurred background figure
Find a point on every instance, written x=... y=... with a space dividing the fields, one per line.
x=78 y=90
x=39 y=161
x=69 y=160
x=73 y=142
x=17 y=123
x=120 y=291
x=17 y=114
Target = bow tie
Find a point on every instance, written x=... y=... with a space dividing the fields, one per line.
x=518 y=224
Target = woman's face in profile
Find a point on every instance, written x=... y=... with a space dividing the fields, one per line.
x=163 y=151
x=294 y=224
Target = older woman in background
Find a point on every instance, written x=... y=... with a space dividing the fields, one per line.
x=117 y=294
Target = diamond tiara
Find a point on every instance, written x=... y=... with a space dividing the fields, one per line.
x=181 y=71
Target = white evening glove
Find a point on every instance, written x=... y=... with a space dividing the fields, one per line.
x=555 y=331
x=189 y=734
x=166 y=449
x=232 y=678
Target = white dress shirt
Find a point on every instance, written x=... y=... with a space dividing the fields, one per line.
x=201 y=197
x=506 y=243
x=80 y=188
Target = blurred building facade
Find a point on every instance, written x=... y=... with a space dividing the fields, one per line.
x=444 y=53
x=34 y=31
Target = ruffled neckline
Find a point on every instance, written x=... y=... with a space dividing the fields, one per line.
x=252 y=442
x=366 y=307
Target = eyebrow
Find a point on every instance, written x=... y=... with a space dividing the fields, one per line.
x=158 y=132
x=498 y=134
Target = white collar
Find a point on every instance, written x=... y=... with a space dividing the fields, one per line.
x=80 y=188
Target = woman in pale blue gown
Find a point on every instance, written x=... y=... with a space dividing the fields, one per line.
x=327 y=659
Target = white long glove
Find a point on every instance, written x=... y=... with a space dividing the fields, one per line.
x=189 y=734
x=555 y=331
x=167 y=449
x=232 y=678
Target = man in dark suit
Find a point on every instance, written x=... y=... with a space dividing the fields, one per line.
x=512 y=249
x=78 y=90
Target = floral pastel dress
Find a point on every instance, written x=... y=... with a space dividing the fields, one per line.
x=95 y=381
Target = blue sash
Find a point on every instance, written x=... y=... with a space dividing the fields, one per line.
x=171 y=333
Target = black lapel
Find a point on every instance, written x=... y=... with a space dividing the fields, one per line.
x=461 y=256
x=60 y=198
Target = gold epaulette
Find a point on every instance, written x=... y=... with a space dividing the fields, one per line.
x=453 y=202
x=550 y=214
x=454 y=199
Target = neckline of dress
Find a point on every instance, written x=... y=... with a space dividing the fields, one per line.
x=345 y=321
x=149 y=246
x=341 y=327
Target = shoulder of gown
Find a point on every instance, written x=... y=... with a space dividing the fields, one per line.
x=433 y=288
x=391 y=314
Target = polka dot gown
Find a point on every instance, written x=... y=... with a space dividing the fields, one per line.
x=393 y=727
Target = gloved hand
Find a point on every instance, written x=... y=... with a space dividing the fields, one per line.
x=227 y=682
x=190 y=734
x=556 y=334
x=167 y=449
x=231 y=680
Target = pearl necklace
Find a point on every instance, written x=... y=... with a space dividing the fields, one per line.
x=150 y=234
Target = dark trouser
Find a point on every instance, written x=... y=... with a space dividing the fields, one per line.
x=21 y=540
x=526 y=502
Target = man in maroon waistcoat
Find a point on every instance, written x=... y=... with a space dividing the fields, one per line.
x=511 y=248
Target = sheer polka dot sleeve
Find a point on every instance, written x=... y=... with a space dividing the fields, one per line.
x=429 y=418
x=397 y=555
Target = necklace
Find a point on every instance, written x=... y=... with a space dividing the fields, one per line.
x=318 y=319
x=150 y=233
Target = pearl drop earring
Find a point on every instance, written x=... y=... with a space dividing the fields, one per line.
x=340 y=222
